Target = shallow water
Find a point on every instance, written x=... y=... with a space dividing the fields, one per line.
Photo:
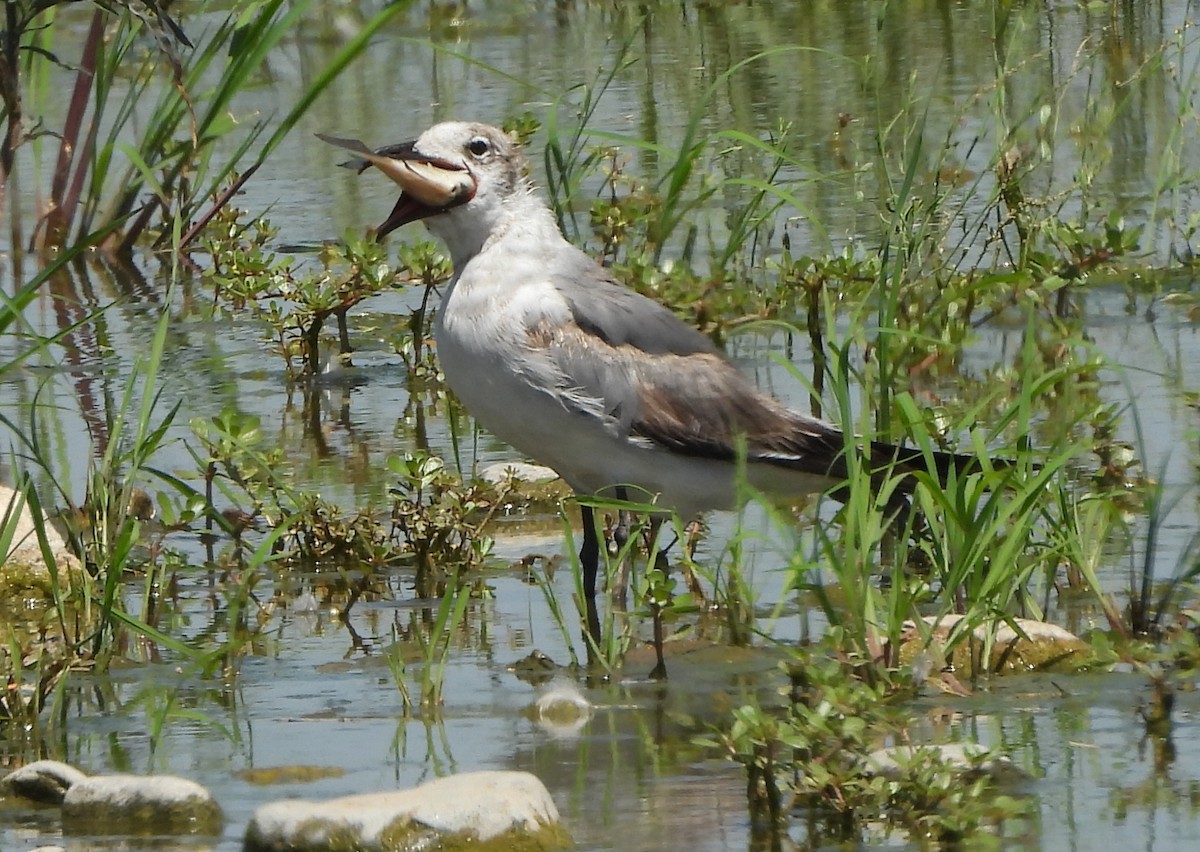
x=315 y=692
x=311 y=698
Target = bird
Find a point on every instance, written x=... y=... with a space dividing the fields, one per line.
x=554 y=356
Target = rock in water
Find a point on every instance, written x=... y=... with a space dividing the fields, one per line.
x=489 y=810
x=138 y=804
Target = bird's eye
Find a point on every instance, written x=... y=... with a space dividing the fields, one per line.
x=478 y=146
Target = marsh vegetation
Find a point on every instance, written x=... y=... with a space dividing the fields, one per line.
x=964 y=226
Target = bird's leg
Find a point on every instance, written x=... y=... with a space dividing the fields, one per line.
x=620 y=583
x=621 y=532
x=661 y=562
x=658 y=559
x=589 y=562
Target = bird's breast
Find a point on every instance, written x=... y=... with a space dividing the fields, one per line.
x=483 y=343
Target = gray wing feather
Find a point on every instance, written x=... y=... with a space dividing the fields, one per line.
x=694 y=404
x=620 y=316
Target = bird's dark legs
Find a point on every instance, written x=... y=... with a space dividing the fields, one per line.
x=589 y=561
x=589 y=554
x=621 y=531
x=657 y=558
x=620 y=581
x=659 y=555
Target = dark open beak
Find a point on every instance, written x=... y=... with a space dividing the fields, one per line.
x=429 y=185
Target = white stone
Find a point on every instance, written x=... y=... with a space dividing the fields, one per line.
x=42 y=781
x=484 y=804
x=23 y=545
x=1036 y=631
x=118 y=803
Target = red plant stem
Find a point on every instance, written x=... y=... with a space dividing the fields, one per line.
x=221 y=201
x=58 y=222
x=10 y=91
x=75 y=192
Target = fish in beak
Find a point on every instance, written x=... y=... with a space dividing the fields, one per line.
x=430 y=185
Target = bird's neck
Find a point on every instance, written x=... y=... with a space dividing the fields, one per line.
x=521 y=224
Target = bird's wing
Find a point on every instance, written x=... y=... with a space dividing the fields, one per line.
x=620 y=316
x=653 y=378
x=699 y=404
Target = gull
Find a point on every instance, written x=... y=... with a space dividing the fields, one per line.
x=551 y=354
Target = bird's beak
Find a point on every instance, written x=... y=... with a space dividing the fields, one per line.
x=429 y=185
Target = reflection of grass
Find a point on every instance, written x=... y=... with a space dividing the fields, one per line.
x=433 y=640
x=94 y=622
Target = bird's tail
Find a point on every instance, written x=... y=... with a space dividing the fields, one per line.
x=892 y=458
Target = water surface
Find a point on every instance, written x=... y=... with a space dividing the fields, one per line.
x=835 y=74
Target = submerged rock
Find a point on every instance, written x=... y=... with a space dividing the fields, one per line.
x=563 y=699
x=965 y=757
x=294 y=774
x=38 y=596
x=23 y=543
x=561 y=709
x=139 y=804
x=45 y=781
x=536 y=668
x=24 y=574
x=479 y=810
x=525 y=485
x=503 y=472
x=1033 y=645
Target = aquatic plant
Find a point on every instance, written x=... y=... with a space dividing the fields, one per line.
x=111 y=149
x=293 y=301
x=433 y=639
x=437 y=520
x=437 y=526
x=109 y=154
x=814 y=759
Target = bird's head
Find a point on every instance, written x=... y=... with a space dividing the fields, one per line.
x=465 y=168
